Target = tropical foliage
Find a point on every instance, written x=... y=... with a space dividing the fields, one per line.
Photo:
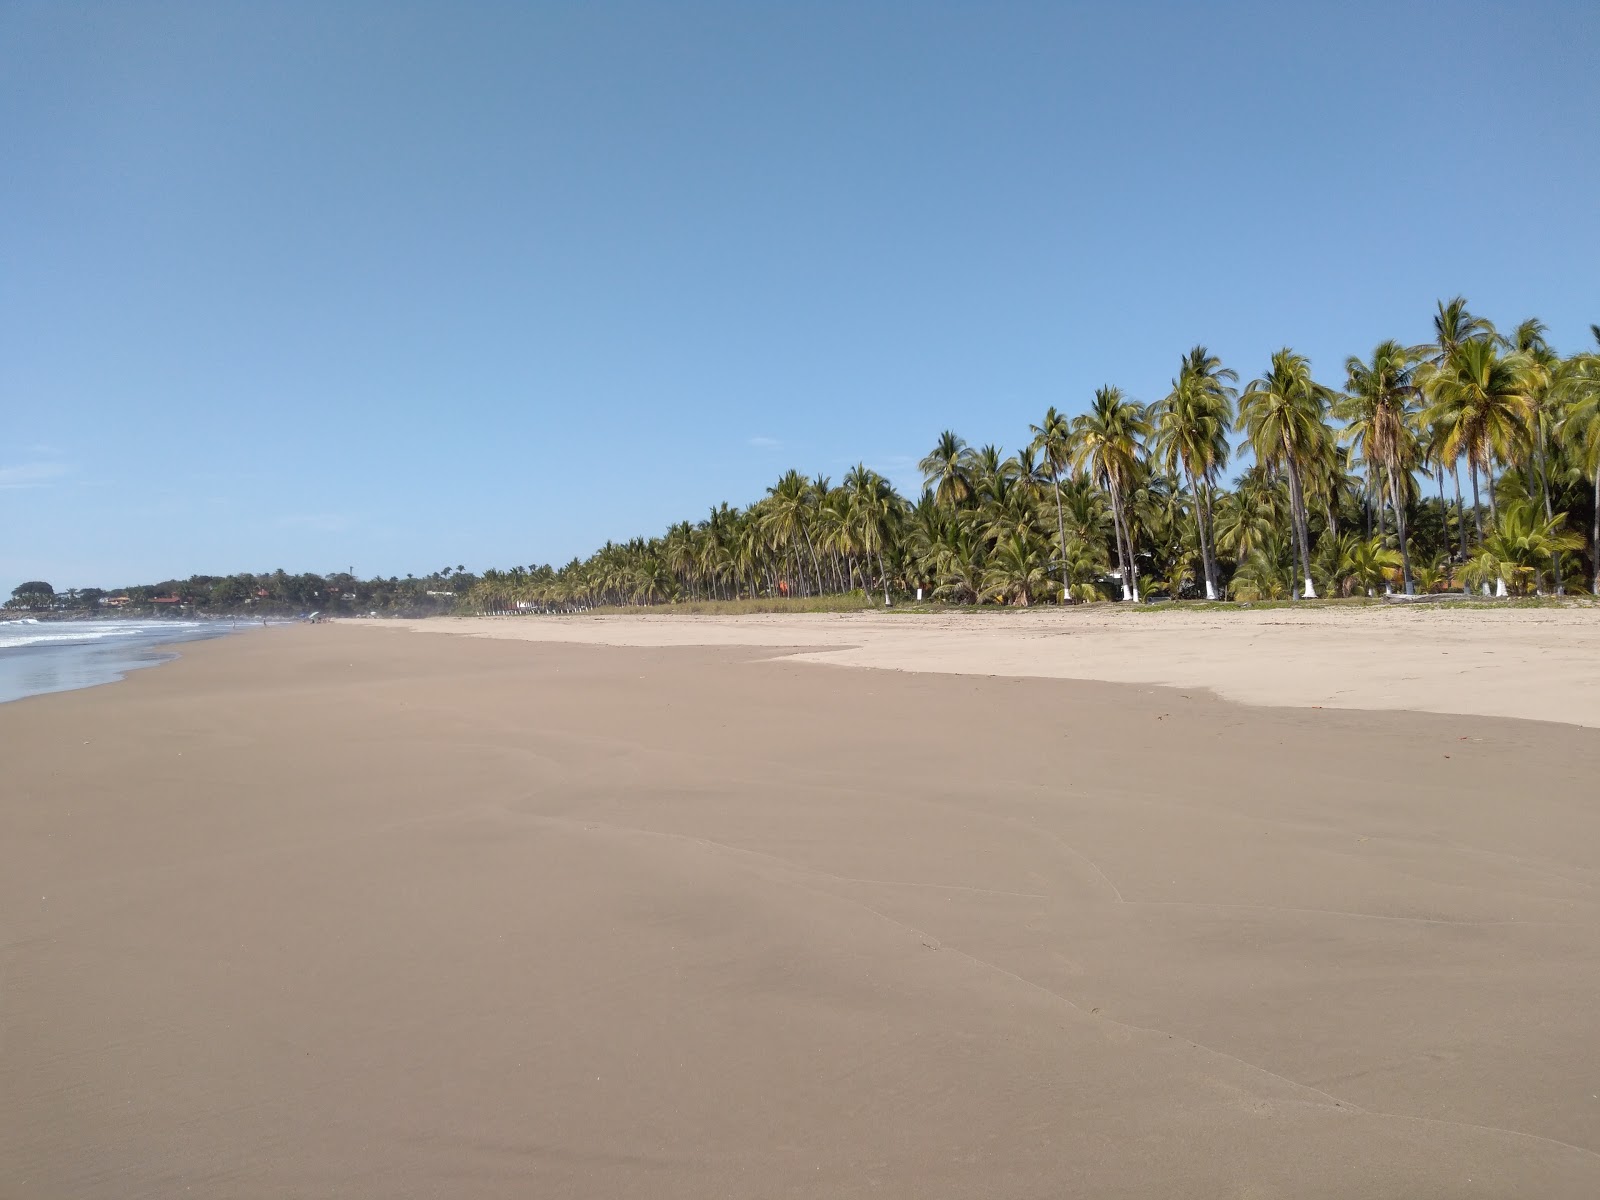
x=272 y=594
x=1289 y=487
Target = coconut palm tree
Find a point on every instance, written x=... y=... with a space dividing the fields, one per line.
x=1454 y=325
x=1544 y=364
x=1052 y=439
x=873 y=513
x=1580 y=430
x=944 y=469
x=1354 y=563
x=958 y=562
x=789 y=516
x=1017 y=569
x=1191 y=430
x=1481 y=402
x=1380 y=410
x=1107 y=443
x=987 y=470
x=1521 y=540
x=1283 y=414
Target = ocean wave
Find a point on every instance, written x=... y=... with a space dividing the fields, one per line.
x=38 y=633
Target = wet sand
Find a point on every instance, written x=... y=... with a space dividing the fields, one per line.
x=348 y=911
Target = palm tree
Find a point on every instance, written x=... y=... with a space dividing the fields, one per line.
x=1052 y=438
x=873 y=508
x=1519 y=542
x=1355 y=563
x=1191 y=430
x=1454 y=325
x=1580 y=429
x=1016 y=570
x=1380 y=409
x=1107 y=442
x=988 y=470
x=958 y=561
x=789 y=516
x=945 y=470
x=1482 y=405
x=1282 y=413
x=1528 y=340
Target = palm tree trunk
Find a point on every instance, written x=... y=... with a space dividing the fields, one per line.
x=1297 y=516
x=1494 y=520
x=1461 y=509
x=1477 y=515
x=1061 y=535
x=816 y=569
x=1208 y=542
x=1595 y=550
x=1400 y=529
x=1544 y=487
x=1124 y=551
x=1200 y=534
x=885 y=575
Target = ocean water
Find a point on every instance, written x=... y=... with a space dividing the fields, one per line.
x=58 y=656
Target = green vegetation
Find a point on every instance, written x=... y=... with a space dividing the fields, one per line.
x=1127 y=500
x=277 y=594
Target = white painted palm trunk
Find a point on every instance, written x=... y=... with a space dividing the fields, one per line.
x=1500 y=589
x=1311 y=590
x=1211 y=592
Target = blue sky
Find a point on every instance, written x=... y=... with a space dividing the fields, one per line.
x=396 y=286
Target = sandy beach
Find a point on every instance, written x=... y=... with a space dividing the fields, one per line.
x=1538 y=664
x=678 y=908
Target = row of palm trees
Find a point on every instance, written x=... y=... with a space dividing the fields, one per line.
x=1328 y=494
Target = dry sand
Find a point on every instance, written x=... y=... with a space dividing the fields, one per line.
x=332 y=911
x=1540 y=664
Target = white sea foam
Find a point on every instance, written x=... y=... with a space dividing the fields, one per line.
x=57 y=656
x=29 y=632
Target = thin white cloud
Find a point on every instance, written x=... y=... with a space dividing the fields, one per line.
x=31 y=475
x=765 y=443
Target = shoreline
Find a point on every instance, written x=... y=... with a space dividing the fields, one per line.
x=1540 y=664
x=61 y=659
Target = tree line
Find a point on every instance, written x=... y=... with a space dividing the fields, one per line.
x=273 y=594
x=1470 y=461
